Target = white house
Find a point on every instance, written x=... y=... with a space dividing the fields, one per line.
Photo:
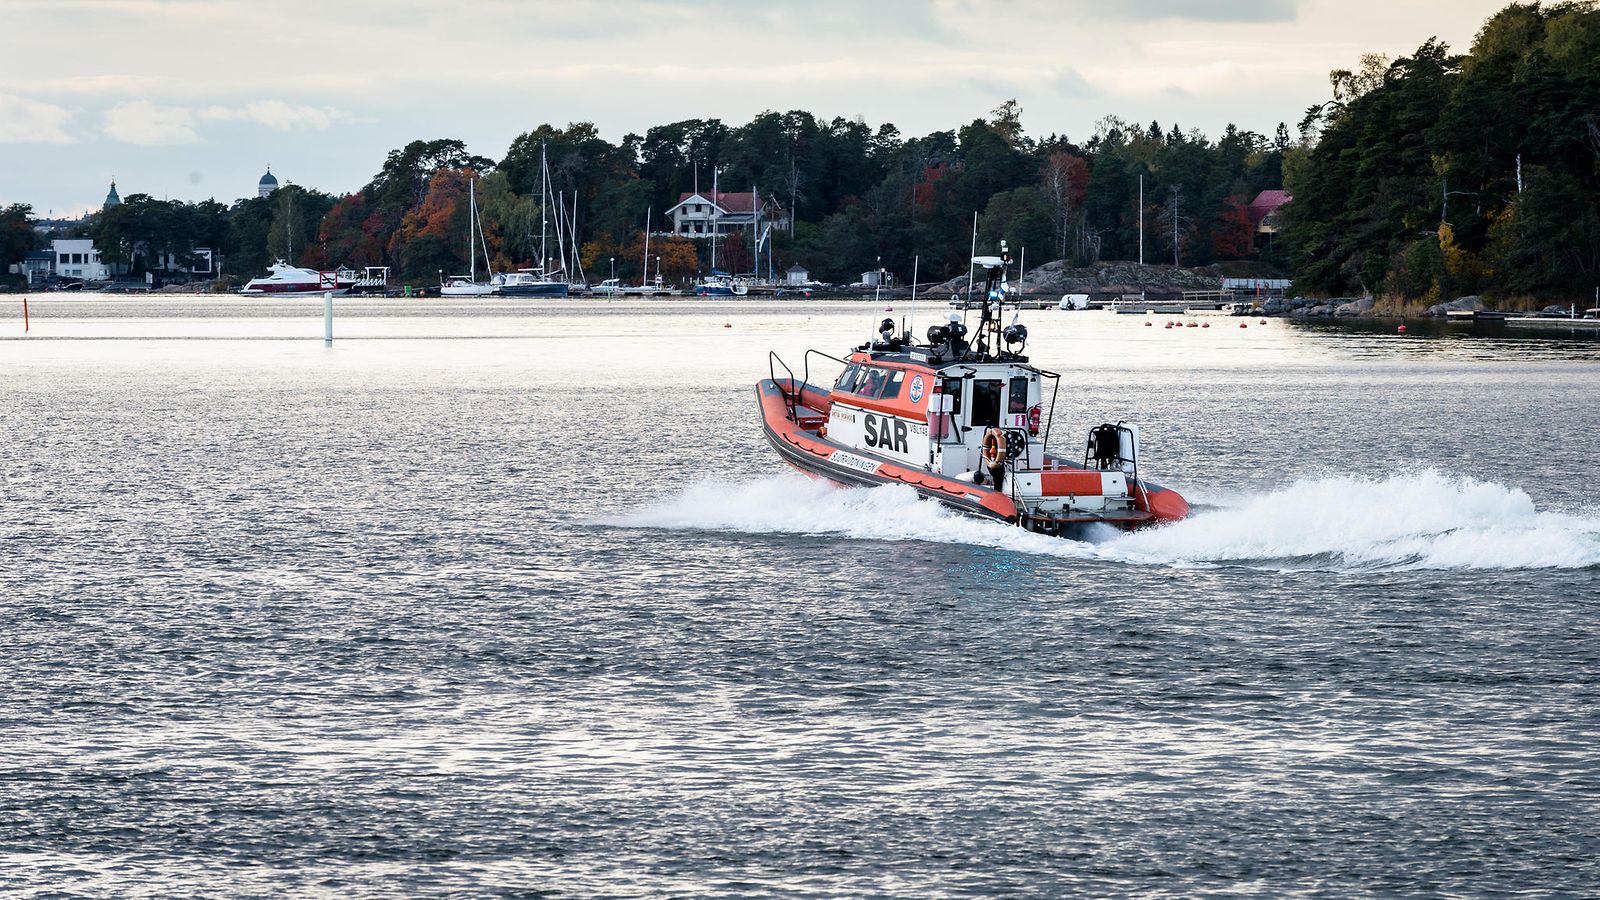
x=78 y=260
x=198 y=261
x=797 y=275
x=697 y=213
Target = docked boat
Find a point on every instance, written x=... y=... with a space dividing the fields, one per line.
x=721 y=284
x=468 y=285
x=931 y=415
x=530 y=283
x=284 y=280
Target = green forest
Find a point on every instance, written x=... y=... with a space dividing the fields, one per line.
x=1434 y=175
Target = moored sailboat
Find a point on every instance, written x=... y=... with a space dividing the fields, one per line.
x=469 y=285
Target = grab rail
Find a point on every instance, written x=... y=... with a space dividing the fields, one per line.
x=789 y=399
x=806 y=378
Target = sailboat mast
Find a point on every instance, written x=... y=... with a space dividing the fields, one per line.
x=645 y=278
x=714 y=173
x=544 y=201
x=472 y=228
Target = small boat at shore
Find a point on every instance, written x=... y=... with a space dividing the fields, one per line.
x=721 y=284
x=530 y=283
x=929 y=415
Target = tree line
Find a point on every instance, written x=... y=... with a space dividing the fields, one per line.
x=861 y=197
x=1427 y=176
x=1439 y=175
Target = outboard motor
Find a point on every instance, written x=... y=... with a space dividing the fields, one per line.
x=1105 y=447
x=1113 y=448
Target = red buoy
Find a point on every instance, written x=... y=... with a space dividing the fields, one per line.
x=727 y=324
x=1263 y=321
x=1206 y=325
x=1402 y=329
x=1148 y=324
x=1244 y=324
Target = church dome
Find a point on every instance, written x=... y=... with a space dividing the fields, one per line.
x=111 y=198
x=267 y=184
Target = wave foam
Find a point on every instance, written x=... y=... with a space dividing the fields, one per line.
x=1412 y=520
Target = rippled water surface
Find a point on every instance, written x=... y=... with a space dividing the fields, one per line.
x=515 y=601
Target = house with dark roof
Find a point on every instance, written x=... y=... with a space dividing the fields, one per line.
x=36 y=266
x=1264 y=210
x=702 y=213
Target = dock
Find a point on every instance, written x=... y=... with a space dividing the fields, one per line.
x=1554 y=322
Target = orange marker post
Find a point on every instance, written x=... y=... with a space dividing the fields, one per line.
x=24 y=313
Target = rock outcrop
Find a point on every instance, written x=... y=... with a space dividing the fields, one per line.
x=1361 y=307
x=1440 y=310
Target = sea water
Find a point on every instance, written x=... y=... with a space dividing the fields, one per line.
x=512 y=599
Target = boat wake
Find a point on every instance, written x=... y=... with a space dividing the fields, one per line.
x=1413 y=520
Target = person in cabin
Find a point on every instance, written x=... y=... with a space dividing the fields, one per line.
x=994 y=456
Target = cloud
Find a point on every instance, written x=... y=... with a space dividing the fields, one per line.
x=145 y=123
x=279 y=115
x=1211 y=10
x=142 y=122
x=24 y=121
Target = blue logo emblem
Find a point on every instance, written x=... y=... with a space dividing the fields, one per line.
x=916 y=389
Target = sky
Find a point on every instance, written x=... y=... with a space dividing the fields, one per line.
x=191 y=99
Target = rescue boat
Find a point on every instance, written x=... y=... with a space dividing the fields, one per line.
x=917 y=414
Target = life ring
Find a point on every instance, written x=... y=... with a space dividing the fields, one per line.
x=995 y=446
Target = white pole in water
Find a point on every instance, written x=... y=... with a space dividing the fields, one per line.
x=327 y=319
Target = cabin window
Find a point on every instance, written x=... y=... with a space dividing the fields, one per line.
x=986 y=402
x=890 y=389
x=873 y=383
x=1017 y=398
x=847 y=379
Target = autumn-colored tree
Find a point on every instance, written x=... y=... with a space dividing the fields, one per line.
x=433 y=234
x=733 y=252
x=1232 y=232
x=351 y=234
x=680 y=259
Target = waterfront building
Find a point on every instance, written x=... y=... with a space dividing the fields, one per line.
x=76 y=259
x=697 y=213
x=267 y=184
x=36 y=266
x=1264 y=213
x=797 y=274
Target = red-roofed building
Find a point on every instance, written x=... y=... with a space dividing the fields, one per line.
x=1264 y=210
x=697 y=213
